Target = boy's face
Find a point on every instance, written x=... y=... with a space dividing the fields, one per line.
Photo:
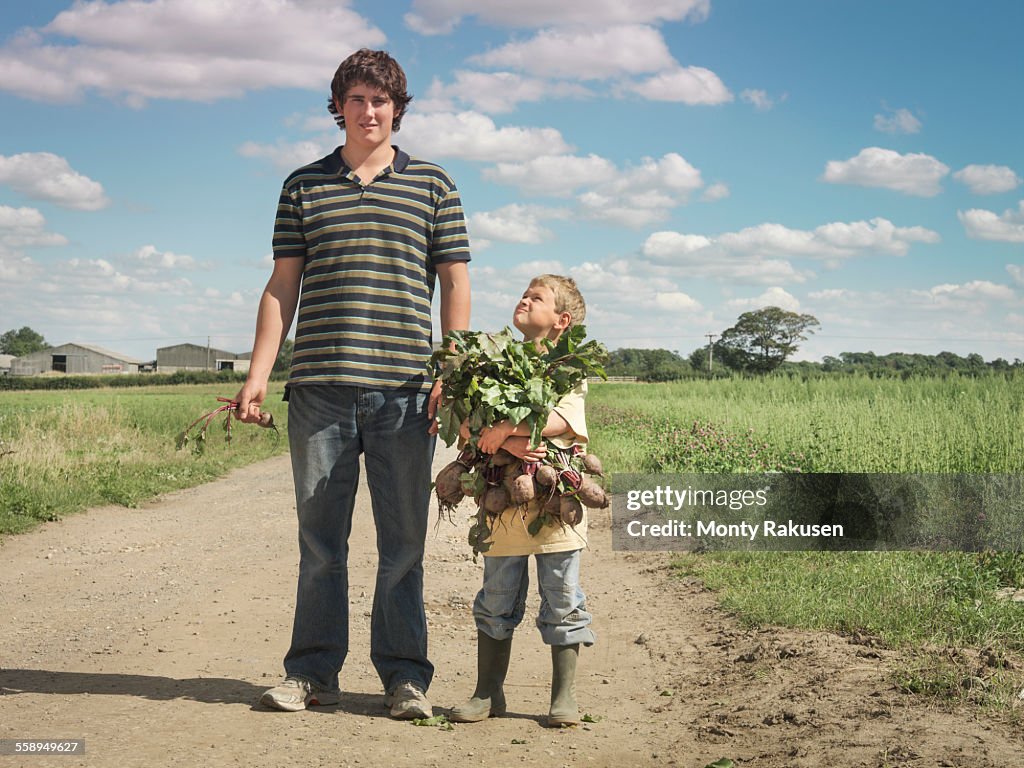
x=536 y=315
x=369 y=113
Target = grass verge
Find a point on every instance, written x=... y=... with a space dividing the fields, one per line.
x=64 y=452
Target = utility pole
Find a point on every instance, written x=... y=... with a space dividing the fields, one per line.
x=711 y=345
x=207 y=353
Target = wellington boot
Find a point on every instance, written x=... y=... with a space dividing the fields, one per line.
x=564 y=710
x=491 y=667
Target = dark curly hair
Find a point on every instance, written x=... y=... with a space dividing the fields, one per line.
x=376 y=69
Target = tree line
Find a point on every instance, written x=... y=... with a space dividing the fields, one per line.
x=760 y=342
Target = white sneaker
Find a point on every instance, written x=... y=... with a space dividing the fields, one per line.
x=407 y=702
x=295 y=694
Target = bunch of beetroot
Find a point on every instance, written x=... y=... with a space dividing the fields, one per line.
x=487 y=378
x=195 y=432
x=560 y=485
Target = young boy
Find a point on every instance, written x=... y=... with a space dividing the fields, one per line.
x=549 y=306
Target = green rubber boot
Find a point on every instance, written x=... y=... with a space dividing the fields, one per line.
x=491 y=667
x=564 y=710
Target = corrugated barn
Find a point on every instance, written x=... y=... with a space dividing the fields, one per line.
x=193 y=357
x=74 y=359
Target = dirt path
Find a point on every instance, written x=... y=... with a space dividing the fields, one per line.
x=150 y=633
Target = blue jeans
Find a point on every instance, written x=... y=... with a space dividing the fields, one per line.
x=328 y=427
x=501 y=602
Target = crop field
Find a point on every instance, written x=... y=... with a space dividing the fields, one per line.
x=65 y=451
x=61 y=452
x=849 y=424
x=941 y=602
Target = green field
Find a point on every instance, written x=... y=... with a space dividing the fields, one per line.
x=941 y=602
x=68 y=451
x=840 y=424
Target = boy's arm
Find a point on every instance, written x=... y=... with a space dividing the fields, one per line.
x=492 y=438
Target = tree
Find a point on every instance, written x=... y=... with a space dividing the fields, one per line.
x=647 y=364
x=766 y=337
x=23 y=342
x=723 y=360
x=284 y=357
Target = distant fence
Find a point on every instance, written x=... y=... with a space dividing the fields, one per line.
x=614 y=379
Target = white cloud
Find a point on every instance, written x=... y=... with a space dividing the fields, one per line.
x=663 y=184
x=697 y=256
x=472 y=136
x=633 y=196
x=758 y=98
x=1016 y=272
x=151 y=257
x=986 y=225
x=988 y=179
x=689 y=85
x=829 y=294
x=898 y=121
x=431 y=17
x=773 y=297
x=912 y=174
x=552 y=175
x=676 y=301
x=974 y=296
x=285 y=155
x=46 y=176
x=494 y=92
x=829 y=241
x=715 y=192
x=761 y=254
x=514 y=224
x=183 y=49
x=595 y=54
x=25 y=228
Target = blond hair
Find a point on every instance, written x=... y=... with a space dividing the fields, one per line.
x=567 y=296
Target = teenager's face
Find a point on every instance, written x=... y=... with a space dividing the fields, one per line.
x=369 y=113
x=535 y=314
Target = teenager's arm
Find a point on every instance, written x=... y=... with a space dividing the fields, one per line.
x=453 y=277
x=274 y=318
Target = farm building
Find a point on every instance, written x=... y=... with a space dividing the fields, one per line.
x=5 y=364
x=193 y=357
x=74 y=359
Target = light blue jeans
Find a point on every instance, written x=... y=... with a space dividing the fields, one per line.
x=501 y=603
x=328 y=427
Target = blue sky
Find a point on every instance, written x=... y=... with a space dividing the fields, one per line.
x=685 y=160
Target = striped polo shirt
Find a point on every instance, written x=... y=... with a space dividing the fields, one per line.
x=370 y=255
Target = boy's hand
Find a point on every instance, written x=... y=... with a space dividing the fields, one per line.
x=492 y=438
x=520 y=448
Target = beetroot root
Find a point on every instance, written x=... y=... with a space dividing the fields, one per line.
x=570 y=511
x=523 y=491
x=496 y=500
x=592 y=495
x=546 y=475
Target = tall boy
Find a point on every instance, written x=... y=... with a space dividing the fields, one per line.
x=359 y=238
x=549 y=306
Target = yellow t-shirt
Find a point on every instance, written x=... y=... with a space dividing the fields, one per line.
x=509 y=531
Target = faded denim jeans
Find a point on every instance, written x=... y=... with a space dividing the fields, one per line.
x=501 y=603
x=328 y=427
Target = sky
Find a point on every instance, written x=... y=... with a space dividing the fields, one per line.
x=684 y=160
